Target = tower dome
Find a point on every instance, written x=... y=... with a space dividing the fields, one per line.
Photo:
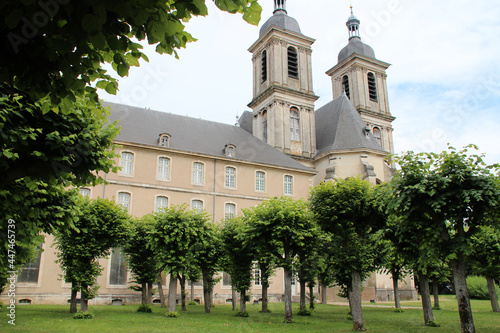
x=355 y=44
x=280 y=19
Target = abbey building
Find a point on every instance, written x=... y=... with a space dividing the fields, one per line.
x=282 y=147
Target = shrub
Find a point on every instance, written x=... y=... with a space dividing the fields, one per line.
x=478 y=287
x=144 y=308
x=83 y=315
x=192 y=303
x=397 y=310
x=172 y=314
x=433 y=323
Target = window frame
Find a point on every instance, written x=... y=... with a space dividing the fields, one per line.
x=295 y=132
x=228 y=204
x=346 y=86
x=234 y=176
x=122 y=259
x=263 y=181
x=85 y=189
x=292 y=64
x=158 y=166
x=288 y=185
x=375 y=130
x=198 y=200
x=372 y=86
x=161 y=140
x=123 y=161
x=129 y=208
x=156 y=202
x=193 y=180
x=263 y=77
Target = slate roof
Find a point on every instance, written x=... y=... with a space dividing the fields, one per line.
x=282 y=20
x=339 y=126
x=143 y=126
x=246 y=121
x=355 y=45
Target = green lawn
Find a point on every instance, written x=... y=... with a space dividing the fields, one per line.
x=326 y=318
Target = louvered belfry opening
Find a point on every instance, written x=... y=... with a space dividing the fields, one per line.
x=264 y=66
x=345 y=86
x=293 y=68
x=372 y=87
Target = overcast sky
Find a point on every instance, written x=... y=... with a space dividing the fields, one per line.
x=444 y=82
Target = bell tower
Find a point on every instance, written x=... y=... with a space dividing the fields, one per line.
x=363 y=79
x=283 y=97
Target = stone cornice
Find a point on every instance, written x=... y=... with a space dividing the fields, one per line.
x=278 y=89
x=387 y=117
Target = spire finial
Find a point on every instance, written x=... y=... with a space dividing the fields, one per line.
x=353 y=25
x=279 y=5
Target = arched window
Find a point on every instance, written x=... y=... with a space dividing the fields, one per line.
x=164 y=140
x=197 y=205
x=127 y=163
x=345 y=86
x=264 y=126
x=198 y=173
x=163 y=168
x=85 y=192
x=372 y=87
x=124 y=200
x=161 y=203
x=378 y=135
x=294 y=124
x=293 y=65
x=229 y=211
x=264 y=66
x=230 y=177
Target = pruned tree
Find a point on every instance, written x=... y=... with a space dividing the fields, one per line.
x=347 y=211
x=282 y=227
x=100 y=226
x=175 y=232
x=240 y=257
x=447 y=196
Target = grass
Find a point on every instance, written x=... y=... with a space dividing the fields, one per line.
x=326 y=318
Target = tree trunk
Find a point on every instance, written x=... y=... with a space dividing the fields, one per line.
x=234 y=299
x=150 y=293
x=72 y=307
x=464 y=309
x=192 y=290
x=243 y=301
x=182 y=282
x=425 y=294
x=144 y=293
x=288 y=295
x=493 y=294
x=84 y=303
x=355 y=302
x=172 y=293
x=207 y=300
x=311 y=297
x=160 y=291
x=435 y=292
x=303 y=292
x=395 y=286
x=323 y=293
x=265 y=287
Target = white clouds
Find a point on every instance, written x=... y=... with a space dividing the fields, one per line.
x=444 y=80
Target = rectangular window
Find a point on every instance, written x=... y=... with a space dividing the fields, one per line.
x=230 y=177
x=124 y=200
x=127 y=163
x=288 y=185
x=257 y=277
x=198 y=173
x=161 y=202
x=230 y=211
x=29 y=272
x=163 y=168
x=118 y=268
x=260 y=181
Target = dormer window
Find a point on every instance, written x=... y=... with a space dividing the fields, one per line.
x=230 y=150
x=164 y=140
